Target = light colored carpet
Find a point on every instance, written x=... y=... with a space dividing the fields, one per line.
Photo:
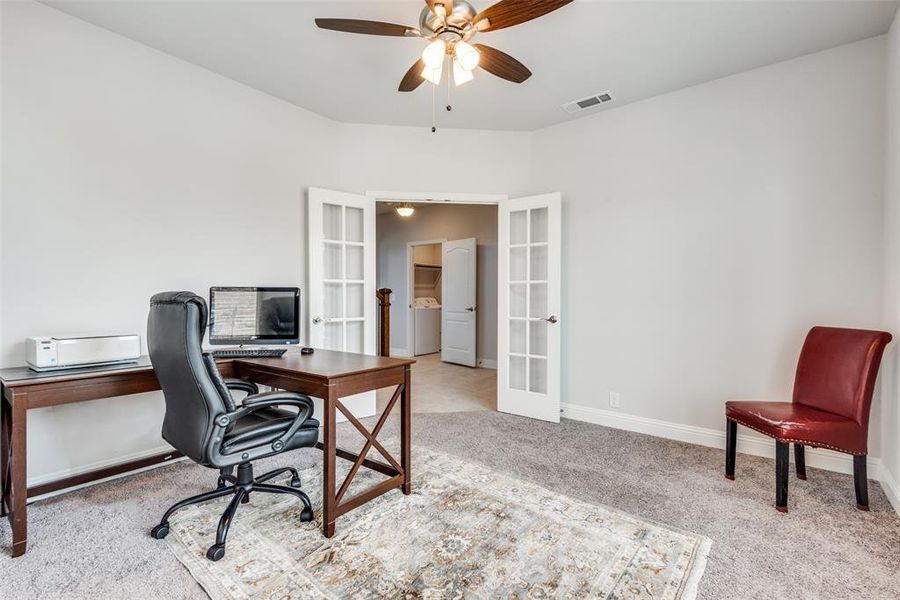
x=466 y=531
x=93 y=543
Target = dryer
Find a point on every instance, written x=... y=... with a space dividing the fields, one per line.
x=427 y=315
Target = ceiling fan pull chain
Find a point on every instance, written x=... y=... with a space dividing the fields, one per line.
x=433 y=101
x=449 y=70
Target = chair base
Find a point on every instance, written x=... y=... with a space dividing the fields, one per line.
x=241 y=487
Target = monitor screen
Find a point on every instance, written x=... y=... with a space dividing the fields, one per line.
x=254 y=315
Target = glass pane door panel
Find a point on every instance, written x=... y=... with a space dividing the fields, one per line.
x=539 y=217
x=517 y=333
x=334 y=336
x=355 y=262
x=354 y=217
x=334 y=300
x=517 y=374
x=537 y=375
x=518 y=299
x=538 y=263
x=537 y=338
x=518 y=227
x=537 y=305
x=518 y=264
x=331 y=221
x=333 y=263
x=355 y=336
x=355 y=300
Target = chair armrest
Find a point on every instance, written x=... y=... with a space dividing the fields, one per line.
x=242 y=385
x=258 y=402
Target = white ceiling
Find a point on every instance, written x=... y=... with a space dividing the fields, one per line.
x=635 y=49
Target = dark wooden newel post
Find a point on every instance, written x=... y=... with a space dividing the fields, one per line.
x=384 y=322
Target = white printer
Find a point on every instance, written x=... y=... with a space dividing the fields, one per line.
x=47 y=353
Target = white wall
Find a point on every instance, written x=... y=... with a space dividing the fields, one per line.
x=891 y=372
x=412 y=159
x=706 y=230
x=128 y=172
x=440 y=221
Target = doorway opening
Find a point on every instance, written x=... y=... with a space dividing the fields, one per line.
x=441 y=263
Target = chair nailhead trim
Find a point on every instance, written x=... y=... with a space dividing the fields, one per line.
x=796 y=441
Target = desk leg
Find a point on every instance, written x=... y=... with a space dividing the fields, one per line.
x=329 y=459
x=4 y=453
x=17 y=484
x=406 y=431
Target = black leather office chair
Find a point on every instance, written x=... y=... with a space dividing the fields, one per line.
x=203 y=422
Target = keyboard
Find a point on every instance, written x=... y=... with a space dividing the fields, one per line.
x=249 y=353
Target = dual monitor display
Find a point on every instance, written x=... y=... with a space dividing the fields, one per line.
x=254 y=315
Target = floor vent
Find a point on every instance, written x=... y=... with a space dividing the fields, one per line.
x=577 y=106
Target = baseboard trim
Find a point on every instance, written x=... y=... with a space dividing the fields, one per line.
x=746 y=444
x=890 y=487
x=40 y=480
x=487 y=363
x=400 y=352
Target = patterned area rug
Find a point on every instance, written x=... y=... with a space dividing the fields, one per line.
x=465 y=532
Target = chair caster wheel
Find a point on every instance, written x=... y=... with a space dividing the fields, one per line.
x=307 y=515
x=295 y=482
x=216 y=552
x=160 y=531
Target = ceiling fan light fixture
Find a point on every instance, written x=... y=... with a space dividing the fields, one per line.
x=406 y=210
x=467 y=56
x=433 y=75
x=433 y=54
x=460 y=75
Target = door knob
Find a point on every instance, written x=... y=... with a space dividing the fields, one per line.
x=552 y=319
x=317 y=320
x=470 y=308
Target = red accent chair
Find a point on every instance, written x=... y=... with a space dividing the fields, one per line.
x=832 y=396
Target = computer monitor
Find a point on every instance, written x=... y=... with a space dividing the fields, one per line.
x=254 y=315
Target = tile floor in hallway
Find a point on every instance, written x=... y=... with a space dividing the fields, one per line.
x=440 y=387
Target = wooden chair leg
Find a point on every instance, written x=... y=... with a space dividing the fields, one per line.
x=861 y=482
x=730 y=447
x=800 y=460
x=782 y=463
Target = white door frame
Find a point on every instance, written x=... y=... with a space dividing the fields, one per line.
x=410 y=291
x=427 y=198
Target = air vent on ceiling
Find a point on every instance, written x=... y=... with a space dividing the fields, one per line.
x=577 y=106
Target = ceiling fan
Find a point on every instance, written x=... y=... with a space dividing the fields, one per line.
x=450 y=25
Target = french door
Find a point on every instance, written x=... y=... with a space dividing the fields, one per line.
x=529 y=264
x=341 y=295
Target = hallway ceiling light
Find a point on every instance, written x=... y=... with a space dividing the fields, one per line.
x=405 y=210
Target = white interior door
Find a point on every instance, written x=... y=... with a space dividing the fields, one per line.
x=341 y=253
x=528 y=336
x=458 y=309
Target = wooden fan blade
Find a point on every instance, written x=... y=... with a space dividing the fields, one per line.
x=507 y=13
x=366 y=27
x=501 y=64
x=413 y=77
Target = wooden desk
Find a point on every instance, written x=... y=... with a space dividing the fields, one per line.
x=327 y=375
